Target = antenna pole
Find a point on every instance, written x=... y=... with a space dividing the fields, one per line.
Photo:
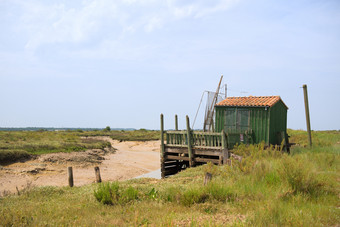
x=225 y=92
x=211 y=109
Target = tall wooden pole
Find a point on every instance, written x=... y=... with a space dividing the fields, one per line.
x=176 y=122
x=162 y=148
x=307 y=114
x=191 y=157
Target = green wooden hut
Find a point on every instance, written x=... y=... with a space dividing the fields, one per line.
x=252 y=119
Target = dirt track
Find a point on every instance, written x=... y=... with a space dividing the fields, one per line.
x=131 y=159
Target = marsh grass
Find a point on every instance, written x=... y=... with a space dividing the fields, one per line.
x=268 y=188
x=17 y=145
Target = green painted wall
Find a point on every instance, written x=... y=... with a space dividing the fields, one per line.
x=265 y=123
x=278 y=122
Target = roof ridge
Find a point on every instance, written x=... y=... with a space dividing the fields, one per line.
x=261 y=101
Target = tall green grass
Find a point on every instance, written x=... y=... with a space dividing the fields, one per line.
x=267 y=188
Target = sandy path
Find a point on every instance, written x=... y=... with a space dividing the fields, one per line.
x=131 y=159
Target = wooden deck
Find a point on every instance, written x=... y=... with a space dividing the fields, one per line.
x=188 y=148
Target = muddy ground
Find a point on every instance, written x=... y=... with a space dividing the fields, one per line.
x=124 y=161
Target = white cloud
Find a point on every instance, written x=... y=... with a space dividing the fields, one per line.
x=80 y=23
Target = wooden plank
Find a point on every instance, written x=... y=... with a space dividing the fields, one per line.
x=176 y=145
x=210 y=153
x=171 y=172
x=171 y=167
x=198 y=159
x=166 y=165
x=207 y=147
x=173 y=157
x=176 y=132
x=207 y=133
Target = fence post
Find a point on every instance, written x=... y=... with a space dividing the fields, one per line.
x=70 y=176
x=191 y=158
x=97 y=172
x=162 y=147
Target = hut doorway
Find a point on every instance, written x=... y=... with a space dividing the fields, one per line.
x=237 y=119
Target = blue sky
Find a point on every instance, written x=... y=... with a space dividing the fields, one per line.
x=121 y=63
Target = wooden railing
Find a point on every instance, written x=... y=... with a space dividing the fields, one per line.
x=198 y=139
x=178 y=147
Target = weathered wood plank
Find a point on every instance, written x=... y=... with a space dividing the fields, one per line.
x=198 y=159
x=173 y=157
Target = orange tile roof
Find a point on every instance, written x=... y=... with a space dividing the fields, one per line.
x=256 y=101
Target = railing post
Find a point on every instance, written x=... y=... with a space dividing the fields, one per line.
x=176 y=122
x=191 y=158
x=225 y=151
x=162 y=147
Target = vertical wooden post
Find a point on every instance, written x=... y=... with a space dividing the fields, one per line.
x=97 y=172
x=177 y=141
x=207 y=178
x=70 y=176
x=162 y=147
x=176 y=122
x=307 y=114
x=225 y=151
x=191 y=157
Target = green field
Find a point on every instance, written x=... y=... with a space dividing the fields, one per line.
x=16 y=145
x=267 y=188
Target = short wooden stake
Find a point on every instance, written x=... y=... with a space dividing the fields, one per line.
x=70 y=176
x=207 y=178
x=97 y=172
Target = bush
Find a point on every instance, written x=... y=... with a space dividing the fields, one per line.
x=111 y=194
x=192 y=196
x=107 y=193
x=13 y=155
x=301 y=177
x=128 y=195
x=219 y=192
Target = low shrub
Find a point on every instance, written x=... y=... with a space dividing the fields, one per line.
x=128 y=195
x=301 y=176
x=193 y=195
x=107 y=193
x=13 y=155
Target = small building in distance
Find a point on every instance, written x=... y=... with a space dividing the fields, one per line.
x=252 y=119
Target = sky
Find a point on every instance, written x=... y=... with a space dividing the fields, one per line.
x=121 y=63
